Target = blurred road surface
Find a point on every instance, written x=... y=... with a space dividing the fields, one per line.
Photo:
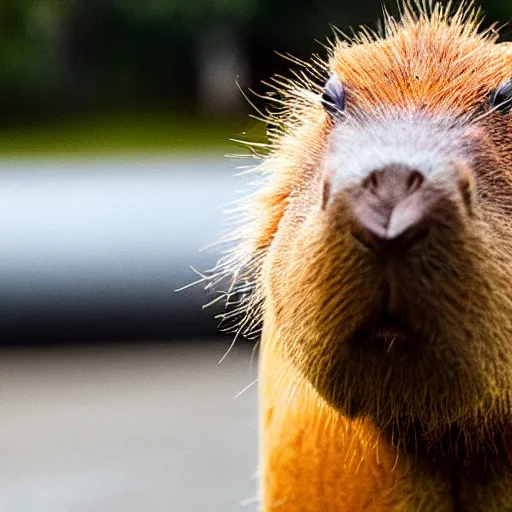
x=149 y=428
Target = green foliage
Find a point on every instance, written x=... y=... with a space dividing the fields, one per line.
x=135 y=132
x=79 y=54
x=194 y=14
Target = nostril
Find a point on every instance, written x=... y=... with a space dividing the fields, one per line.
x=414 y=181
x=372 y=182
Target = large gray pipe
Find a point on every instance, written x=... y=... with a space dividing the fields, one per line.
x=94 y=248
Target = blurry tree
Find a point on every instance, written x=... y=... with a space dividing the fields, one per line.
x=216 y=27
x=97 y=54
x=30 y=51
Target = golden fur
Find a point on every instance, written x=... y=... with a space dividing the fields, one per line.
x=343 y=430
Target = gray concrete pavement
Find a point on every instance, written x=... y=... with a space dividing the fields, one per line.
x=144 y=428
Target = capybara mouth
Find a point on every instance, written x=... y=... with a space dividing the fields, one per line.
x=385 y=333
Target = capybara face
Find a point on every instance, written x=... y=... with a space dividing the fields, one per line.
x=381 y=239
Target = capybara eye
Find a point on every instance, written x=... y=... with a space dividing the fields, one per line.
x=501 y=98
x=333 y=97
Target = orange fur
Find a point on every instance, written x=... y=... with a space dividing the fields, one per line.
x=313 y=458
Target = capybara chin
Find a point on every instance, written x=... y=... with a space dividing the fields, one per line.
x=379 y=254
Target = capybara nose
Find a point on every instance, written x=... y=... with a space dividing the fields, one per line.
x=389 y=208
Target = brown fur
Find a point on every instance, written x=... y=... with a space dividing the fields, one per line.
x=397 y=430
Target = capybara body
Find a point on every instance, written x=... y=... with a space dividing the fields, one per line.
x=378 y=254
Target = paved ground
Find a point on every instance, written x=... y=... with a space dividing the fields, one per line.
x=148 y=428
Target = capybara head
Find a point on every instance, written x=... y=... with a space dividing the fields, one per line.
x=379 y=244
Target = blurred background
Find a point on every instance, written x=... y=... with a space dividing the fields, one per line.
x=115 y=117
